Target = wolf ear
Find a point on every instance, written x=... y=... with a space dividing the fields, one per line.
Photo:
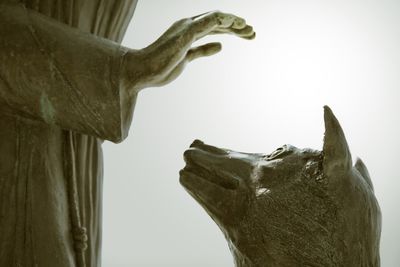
x=360 y=166
x=337 y=157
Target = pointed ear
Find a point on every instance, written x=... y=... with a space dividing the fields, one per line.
x=337 y=157
x=360 y=166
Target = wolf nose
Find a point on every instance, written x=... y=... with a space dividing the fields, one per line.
x=186 y=155
x=197 y=143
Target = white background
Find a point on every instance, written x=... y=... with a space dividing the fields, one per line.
x=254 y=96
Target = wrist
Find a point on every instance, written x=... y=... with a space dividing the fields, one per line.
x=130 y=71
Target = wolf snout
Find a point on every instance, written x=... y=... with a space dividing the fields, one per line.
x=208 y=148
x=203 y=165
x=198 y=157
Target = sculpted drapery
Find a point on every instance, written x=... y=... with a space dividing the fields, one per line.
x=56 y=107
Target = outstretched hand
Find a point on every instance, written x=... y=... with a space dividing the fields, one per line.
x=163 y=61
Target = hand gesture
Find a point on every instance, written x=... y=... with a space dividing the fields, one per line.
x=163 y=61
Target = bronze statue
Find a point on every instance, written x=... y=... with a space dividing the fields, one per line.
x=66 y=84
x=293 y=207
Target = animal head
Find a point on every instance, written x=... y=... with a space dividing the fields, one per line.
x=292 y=207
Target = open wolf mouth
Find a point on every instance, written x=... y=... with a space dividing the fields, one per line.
x=197 y=170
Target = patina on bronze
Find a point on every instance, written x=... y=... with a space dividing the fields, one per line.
x=66 y=84
x=293 y=207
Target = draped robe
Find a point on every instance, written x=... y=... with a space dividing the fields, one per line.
x=60 y=97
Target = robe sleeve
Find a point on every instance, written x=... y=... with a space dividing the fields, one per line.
x=60 y=75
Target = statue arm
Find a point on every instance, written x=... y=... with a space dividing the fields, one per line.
x=62 y=76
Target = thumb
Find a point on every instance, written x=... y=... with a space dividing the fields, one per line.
x=203 y=51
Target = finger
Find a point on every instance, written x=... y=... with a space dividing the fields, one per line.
x=218 y=22
x=251 y=37
x=246 y=32
x=238 y=23
x=203 y=51
x=228 y=20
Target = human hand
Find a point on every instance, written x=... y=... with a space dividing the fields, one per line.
x=163 y=61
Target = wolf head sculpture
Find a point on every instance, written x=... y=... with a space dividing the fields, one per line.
x=293 y=207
